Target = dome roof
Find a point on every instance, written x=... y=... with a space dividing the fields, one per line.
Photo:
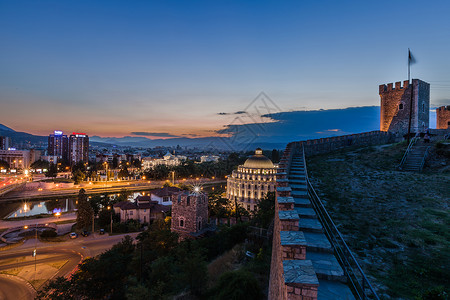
x=258 y=161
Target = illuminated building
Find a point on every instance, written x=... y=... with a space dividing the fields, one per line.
x=58 y=145
x=19 y=159
x=252 y=181
x=5 y=142
x=78 y=148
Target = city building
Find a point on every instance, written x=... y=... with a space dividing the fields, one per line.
x=142 y=209
x=395 y=106
x=252 y=181
x=189 y=213
x=78 y=148
x=5 y=142
x=19 y=159
x=209 y=158
x=443 y=117
x=167 y=160
x=164 y=195
x=58 y=145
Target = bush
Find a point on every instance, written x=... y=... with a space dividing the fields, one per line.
x=48 y=233
x=237 y=285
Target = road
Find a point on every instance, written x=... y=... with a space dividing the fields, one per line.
x=112 y=187
x=15 y=288
x=74 y=250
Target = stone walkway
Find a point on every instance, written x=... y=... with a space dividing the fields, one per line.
x=320 y=263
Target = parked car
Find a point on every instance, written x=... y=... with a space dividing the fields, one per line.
x=102 y=231
x=73 y=235
x=85 y=233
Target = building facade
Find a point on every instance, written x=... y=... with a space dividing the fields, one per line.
x=5 y=143
x=252 y=181
x=58 y=145
x=189 y=213
x=20 y=159
x=143 y=210
x=168 y=159
x=78 y=148
x=443 y=117
x=396 y=106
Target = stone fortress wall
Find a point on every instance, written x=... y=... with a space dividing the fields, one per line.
x=443 y=117
x=395 y=106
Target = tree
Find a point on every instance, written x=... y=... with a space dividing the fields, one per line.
x=265 y=210
x=237 y=285
x=52 y=171
x=84 y=212
x=39 y=164
x=78 y=176
x=123 y=172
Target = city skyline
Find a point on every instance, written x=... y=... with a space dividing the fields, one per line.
x=174 y=69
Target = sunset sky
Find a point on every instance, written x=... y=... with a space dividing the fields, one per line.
x=184 y=68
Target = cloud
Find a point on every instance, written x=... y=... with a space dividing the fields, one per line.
x=158 y=134
x=240 y=112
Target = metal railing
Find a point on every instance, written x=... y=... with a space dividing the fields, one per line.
x=411 y=144
x=422 y=163
x=356 y=278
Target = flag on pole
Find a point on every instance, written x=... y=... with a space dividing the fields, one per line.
x=411 y=59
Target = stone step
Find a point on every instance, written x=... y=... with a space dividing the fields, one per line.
x=302 y=202
x=317 y=242
x=310 y=225
x=305 y=212
x=334 y=290
x=299 y=272
x=326 y=266
x=299 y=193
x=298 y=187
x=297 y=181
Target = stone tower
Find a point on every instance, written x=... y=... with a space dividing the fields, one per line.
x=395 y=106
x=443 y=117
x=189 y=213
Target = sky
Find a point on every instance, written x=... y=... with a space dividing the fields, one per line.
x=164 y=69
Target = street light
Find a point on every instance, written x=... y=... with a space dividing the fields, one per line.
x=109 y=207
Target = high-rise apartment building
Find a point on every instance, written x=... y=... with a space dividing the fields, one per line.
x=5 y=143
x=78 y=148
x=58 y=145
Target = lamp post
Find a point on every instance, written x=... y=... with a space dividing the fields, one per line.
x=109 y=207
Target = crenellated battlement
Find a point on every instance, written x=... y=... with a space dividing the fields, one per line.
x=384 y=88
x=443 y=108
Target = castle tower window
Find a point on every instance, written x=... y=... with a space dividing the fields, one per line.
x=181 y=223
x=400 y=106
x=188 y=201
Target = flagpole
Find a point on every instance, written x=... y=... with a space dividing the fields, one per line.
x=410 y=84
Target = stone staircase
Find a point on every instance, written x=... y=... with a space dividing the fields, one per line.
x=300 y=229
x=413 y=161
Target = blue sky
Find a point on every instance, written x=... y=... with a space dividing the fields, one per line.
x=111 y=68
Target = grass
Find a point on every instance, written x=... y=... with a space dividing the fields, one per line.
x=14 y=271
x=397 y=223
x=58 y=264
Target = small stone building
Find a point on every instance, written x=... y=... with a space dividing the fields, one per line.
x=189 y=213
x=143 y=210
x=395 y=106
x=443 y=117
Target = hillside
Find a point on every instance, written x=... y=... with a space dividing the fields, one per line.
x=397 y=223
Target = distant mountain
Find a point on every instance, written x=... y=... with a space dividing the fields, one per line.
x=21 y=138
x=4 y=128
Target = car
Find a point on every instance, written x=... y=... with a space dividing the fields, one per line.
x=102 y=231
x=73 y=235
x=85 y=233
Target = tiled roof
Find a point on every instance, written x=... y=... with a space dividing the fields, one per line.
x=165 y=191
